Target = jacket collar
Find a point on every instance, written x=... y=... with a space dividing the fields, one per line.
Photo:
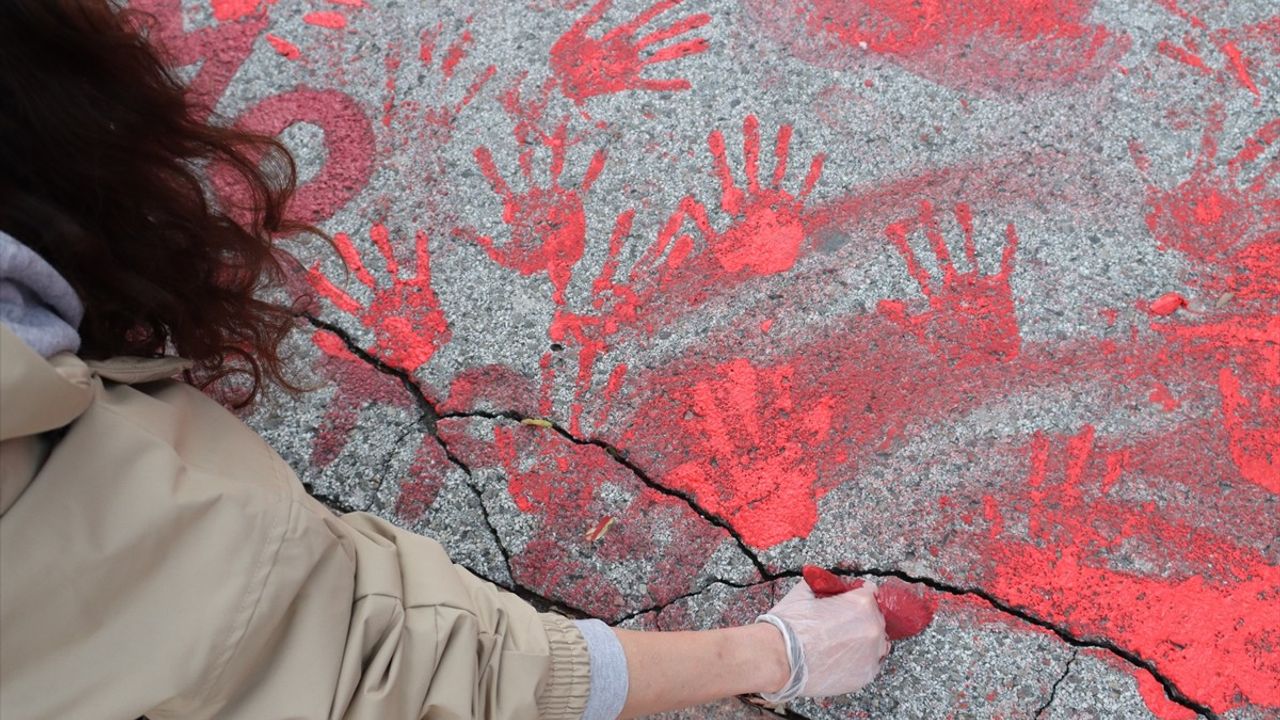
x=38 y=395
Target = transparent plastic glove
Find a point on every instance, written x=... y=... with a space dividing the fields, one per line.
x=835 y=643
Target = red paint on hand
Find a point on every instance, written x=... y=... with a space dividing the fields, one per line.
x=907 y=611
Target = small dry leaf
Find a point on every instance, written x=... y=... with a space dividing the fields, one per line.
x=536 y=422
x=600 y=529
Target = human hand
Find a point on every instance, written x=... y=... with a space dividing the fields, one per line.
x=835 y=643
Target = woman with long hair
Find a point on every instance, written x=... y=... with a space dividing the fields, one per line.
x=156 y=557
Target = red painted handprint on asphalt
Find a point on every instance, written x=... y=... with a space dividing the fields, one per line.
x=971 y=318
x=612 y=63
x=406 y=319
x=767 y=230
x=758 y=435
x=548 y=224
x=1189 y=52
x=1213 y=214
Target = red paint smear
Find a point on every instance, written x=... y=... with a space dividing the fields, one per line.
x=1183 y=56
x=405 y=316
x=1163 y=397
x=358 y=386
x=1166 y=304
x=231 y=10
x=1239 y=67
x=1157 y=701
x=980 y=47
x=587 y=67
x=662 y=541
x=284 y=47
x=326 y=19
x=219 y=50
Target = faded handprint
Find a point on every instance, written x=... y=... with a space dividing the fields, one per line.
x=767 y=230
x=756 y=468
x=612 y=63
x=984 y=47
x=1215 y=213
x=406 y=319
x=446 y=61
x=548 y=224
x=1253 y=429
x=970 y=319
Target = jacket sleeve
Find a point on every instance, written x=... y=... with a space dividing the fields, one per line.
x=360 y=619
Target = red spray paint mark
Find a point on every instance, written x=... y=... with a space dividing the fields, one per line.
x=548 y=224
x=576 y=528
x=1166 y=304
x=1236 y=65
x=1220 y=609
x=751 y=470
x=326 y=19
x=1253 y=426
x=348 y=139
x=1016 y=46
x=970 y=318
x=232 y=10
x=406 y=319
x=766 y=232
x=1161 y=396
x=1213 y=213
x=357 y=386
x=284 y=47
x=587 y=67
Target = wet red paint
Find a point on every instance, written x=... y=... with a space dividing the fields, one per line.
x=284 y=47
x=405 y=316
x=907 y=611
x=229 y=10
x=326 y=19
x=587 y=66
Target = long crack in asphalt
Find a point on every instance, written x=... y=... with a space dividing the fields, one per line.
x=431 y=417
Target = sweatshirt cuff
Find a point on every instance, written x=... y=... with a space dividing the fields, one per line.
x=564 y=696
x=609 y=679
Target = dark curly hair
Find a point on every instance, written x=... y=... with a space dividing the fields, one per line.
x=103 y=165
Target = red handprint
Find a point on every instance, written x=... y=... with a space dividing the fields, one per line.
x=406 y=318
x=587 y=67
x=444 y=115
x=971 y=318
x=756 y=472
x=1212 y=214
x=767 y=230
x=548 y=224
x=1253 y=428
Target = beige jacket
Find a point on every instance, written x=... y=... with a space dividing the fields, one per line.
x=157 y=558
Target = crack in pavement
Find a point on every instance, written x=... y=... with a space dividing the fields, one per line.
x=431 y=417
x=1053 y=691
